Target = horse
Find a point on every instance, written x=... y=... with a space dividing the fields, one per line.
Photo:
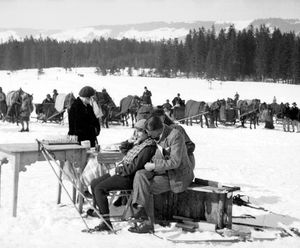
x=195 y=110
x=249 y=110
x=129 y=106
x=13 y=101
x=106 y=105
x=214 y=113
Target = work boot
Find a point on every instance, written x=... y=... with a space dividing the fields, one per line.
x=142 y=228
x=139 y=215
x=103 y=227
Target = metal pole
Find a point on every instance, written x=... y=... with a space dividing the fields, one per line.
x=74 y=185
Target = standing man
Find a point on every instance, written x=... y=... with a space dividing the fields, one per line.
x=294 y=113
x=146 y=97
x=170 y=169
x=82 y=120
x=286 y=117
x=177 y=101
x=55 y=94
x=3 y=107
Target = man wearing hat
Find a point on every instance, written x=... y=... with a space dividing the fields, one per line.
x=286 y=117
x=141 y=152
x=169 y=170
x=83 y=123
x=146 y=97
x=294 y=115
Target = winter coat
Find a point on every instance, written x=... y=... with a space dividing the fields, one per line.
x=294 y=113
x=138 y=162
x=147 y=97
x=286 y=111
x=83 y=122
x=26 y=108
x=172 y=159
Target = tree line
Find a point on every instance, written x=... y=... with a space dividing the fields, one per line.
x=251 y=54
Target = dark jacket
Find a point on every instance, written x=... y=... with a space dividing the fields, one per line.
x=147 y=97
x=83 y=122
x=173 y=160
x=294 y=113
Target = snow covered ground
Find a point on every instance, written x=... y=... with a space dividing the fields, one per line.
x=264 y=163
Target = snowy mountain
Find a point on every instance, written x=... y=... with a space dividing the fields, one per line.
x=146 y=31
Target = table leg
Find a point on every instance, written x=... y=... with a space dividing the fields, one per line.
x=61 y=163
x=0 y=182
x=16 y=164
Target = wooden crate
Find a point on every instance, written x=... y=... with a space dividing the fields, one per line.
x=203 y=201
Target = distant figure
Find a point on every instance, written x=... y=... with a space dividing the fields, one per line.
x=167 y=106
x=236 y=98
x=274 y=99
x=25 y=111
x=268 y=114
x=286 y=117
x=294 y=115
x=55 y=94
x=3 y=106
x=106 y=97
x=48 y=99
x=177 y=101
x=146 y=97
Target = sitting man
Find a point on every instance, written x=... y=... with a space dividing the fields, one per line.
x=190 y=146
x=171 y=169
x=135 y=159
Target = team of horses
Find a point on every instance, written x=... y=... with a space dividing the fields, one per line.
x=132 y=108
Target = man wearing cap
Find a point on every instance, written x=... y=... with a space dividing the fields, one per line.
x=140 y=153
x=286 y=117
x=55 y=94
x=83 y=123
x=169 y=170
x=294 y=116
x=188 y=142
x=146 y=97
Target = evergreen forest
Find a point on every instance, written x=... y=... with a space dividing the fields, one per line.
x=231 y=55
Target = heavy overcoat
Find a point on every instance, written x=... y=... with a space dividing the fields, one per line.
x=172 y=158
x=83 y=122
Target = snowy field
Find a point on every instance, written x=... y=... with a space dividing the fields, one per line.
x=264 y=163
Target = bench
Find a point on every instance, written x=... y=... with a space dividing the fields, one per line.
x=203 y=201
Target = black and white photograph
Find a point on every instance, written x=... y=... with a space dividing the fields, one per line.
x=149 y=123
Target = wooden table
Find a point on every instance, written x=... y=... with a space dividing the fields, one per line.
x=23 y=154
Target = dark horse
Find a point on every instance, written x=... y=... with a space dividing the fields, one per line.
x=106 y=105
x=214 y=113
x=129 y=106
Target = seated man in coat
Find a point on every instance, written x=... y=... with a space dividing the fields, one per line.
x=135 y=159
x=170 y=169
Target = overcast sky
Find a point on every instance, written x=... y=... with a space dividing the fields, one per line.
x=56 y=14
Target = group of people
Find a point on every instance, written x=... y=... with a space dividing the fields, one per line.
x=291 y=118
x=159 y=159
x=50 y=99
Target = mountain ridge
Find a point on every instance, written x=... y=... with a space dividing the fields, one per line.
x=145 y=31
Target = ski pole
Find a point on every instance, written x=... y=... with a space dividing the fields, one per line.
x=75 y=186
x=45 y=156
